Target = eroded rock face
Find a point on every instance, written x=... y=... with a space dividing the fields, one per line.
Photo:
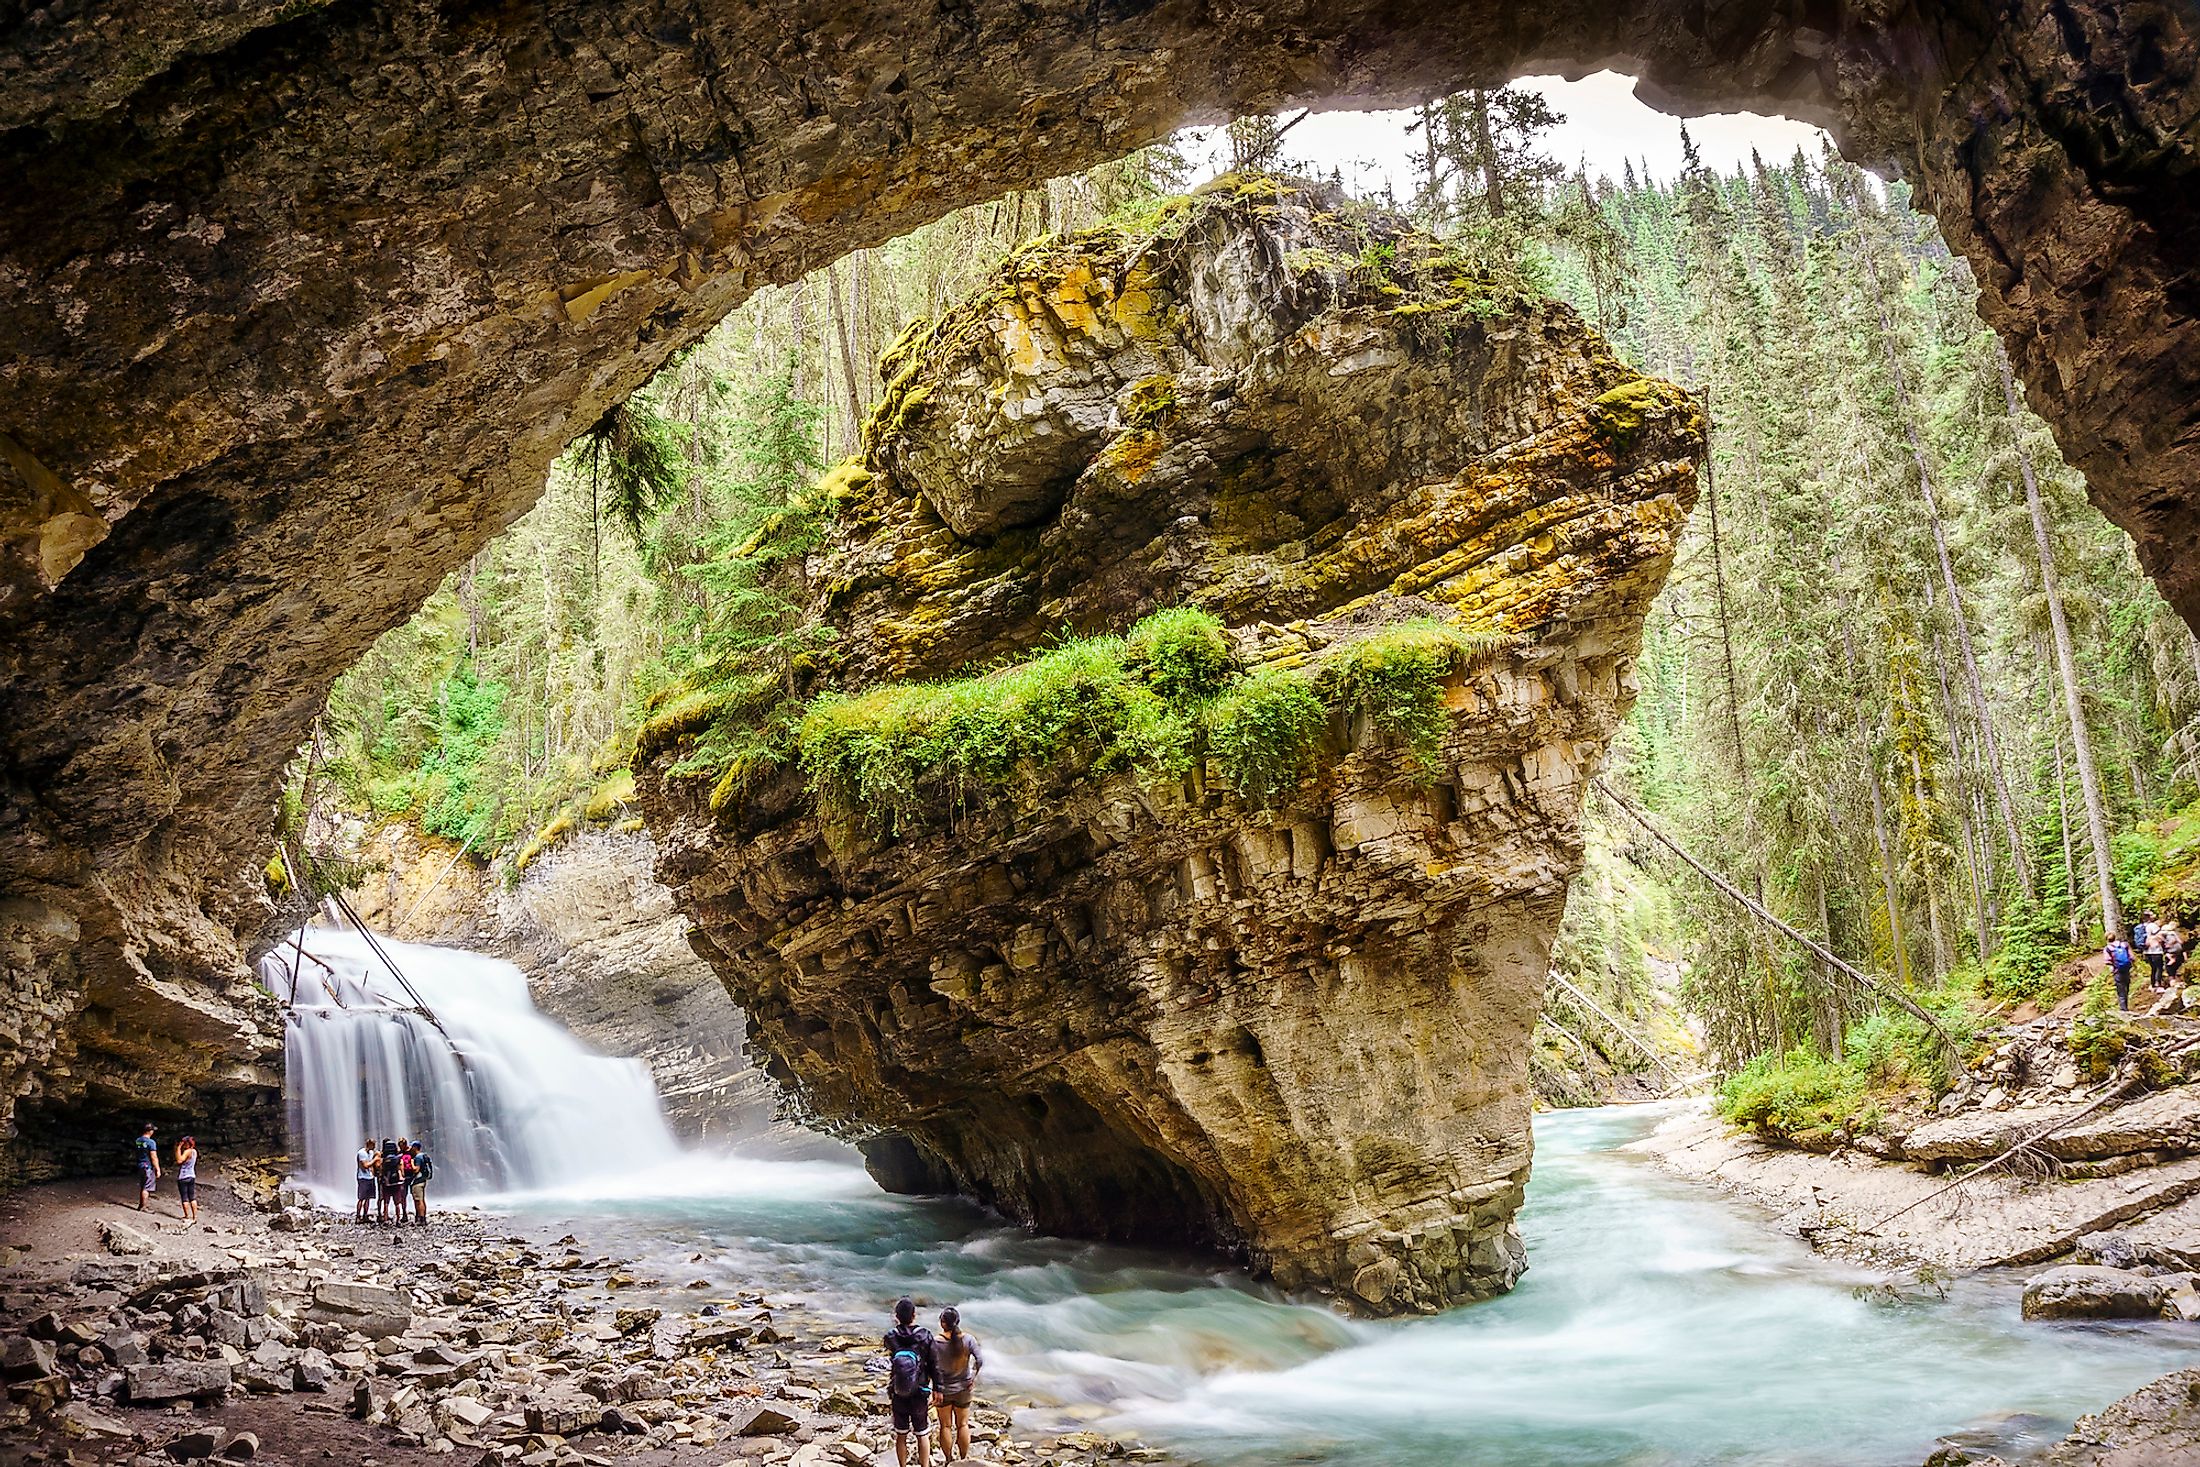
x=1137 y=1006
x=300 y=300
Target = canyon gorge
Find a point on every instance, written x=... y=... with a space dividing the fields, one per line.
x=303 y=300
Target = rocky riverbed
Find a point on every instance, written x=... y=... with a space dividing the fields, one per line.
x=300 y=1335
x=2056 y=1147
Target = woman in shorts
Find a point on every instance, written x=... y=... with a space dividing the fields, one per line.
x=956 y=1362
x=187 y=1177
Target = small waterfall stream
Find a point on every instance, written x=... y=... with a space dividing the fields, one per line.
x=508 y=1102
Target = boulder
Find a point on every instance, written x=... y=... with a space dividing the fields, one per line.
x=40 y=1394
x=24 y=1357
x=242 y=1447
x=312 y=1371
x=361 y=1298
x=2088 y=1291
x=124 y=1347
x=1972 y=1135
x=123 y=1240
x=79 y=1419
x=197 y=1444
x=2106 y=1249
x=173 y=1380
x=2157 y=1425
x=765 y=1418
x=562 y=1414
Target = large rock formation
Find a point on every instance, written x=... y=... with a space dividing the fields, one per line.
x=299 y=300
x=1133 y=1003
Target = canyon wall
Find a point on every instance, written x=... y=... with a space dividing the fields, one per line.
x=300 y=299
x=1141 y=1002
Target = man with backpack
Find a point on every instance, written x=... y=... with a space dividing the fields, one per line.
x=391 y=1185
x=423 y=1173
x=911 y=1376
x=2119 y=968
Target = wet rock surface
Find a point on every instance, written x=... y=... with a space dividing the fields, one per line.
x=302 y=287
x=1133 y=1006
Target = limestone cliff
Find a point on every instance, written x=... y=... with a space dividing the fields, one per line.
x=1121 y=993
x=301 y=299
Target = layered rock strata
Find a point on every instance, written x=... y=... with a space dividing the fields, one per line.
x=300 y=299
x=1137 y=1005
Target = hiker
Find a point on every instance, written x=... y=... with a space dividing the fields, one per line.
x=2152 y=948
x=910 y=1377
x=385 y=1177
x=423 y=1173
x=405 y=1179
x=2173 y=952
x=187 y=1178
x=2119 y=967
x=956 y=1363
x=148 y=1165
x=367 y=1163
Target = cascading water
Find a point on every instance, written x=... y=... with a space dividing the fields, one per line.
x=505 y=1099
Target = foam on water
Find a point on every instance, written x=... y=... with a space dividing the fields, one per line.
x=1659 y=1325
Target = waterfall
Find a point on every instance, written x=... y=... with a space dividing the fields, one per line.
x=505 y=1099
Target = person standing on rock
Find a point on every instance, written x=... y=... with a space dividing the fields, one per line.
x=423 y=1171
x=911 y=1377
x=148 y=1165
x=2173 y=953
x=2119 y=968
x=386 y=1181
x=956 y=1363
x=366 y=1160
x=187 y=1177
x=406 y=1176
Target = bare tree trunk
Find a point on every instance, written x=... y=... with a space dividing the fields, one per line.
x=2066 y=664
x=1493 y=183
x=849 y=380
x=1895 y=936
x=2070 y=850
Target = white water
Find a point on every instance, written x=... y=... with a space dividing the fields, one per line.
x=505 y=1099
x=1659 y=1326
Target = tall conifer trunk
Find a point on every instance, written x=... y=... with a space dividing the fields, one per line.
x=2066 y=664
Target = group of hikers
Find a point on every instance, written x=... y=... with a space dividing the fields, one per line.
x=926 y=1371
x=392 y=1172
x=147 y=1155
x=2161 y=944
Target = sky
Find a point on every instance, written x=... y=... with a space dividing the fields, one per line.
x=1605 y=126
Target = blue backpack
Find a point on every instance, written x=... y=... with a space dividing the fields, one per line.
x=906 y=1377
x=2119 y=953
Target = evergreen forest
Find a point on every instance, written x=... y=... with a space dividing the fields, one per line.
x=1906 y=690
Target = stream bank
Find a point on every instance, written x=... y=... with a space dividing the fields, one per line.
x=1660 y=1325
